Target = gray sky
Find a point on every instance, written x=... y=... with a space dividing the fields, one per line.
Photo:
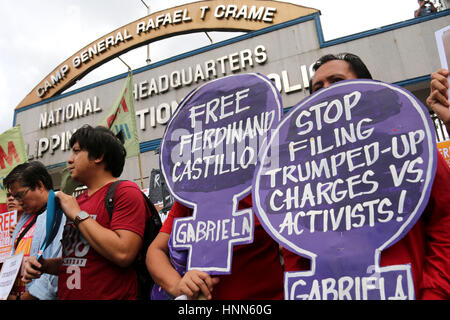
x=36 y=36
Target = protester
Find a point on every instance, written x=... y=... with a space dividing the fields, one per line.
x=438 y=98
x=12 y=204
x=256 y=268
x=427 y=245
x=335 y=68
x=30 y=184
x=425 y=8
x=97 y=252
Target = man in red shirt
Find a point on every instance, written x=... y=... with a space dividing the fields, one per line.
x=427 y=245
x=97 y=252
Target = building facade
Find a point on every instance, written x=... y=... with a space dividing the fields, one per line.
x=404 y=53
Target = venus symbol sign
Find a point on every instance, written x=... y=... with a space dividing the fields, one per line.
x=208 y=157
x=356 y=164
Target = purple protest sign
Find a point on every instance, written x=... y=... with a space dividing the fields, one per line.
x=354 y=170
x=208 y=157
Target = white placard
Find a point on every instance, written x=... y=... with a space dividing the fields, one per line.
x=443 y=45
x=8 y=274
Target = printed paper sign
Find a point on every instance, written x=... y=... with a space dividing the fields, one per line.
x=159 y=194
x=444 y=149
x=8 y=274
x=208 y=157
x=356 y=166
x=7 y=220
x=443 y=45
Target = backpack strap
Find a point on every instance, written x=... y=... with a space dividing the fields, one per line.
x=155 y=219
x=152 y=226
x=109 y=199
x=109 y=204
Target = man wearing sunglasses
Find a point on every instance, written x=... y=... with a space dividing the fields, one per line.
x=29 y=185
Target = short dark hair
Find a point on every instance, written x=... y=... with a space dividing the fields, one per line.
x=29 y=174
x=101 y=141
x=355 y=62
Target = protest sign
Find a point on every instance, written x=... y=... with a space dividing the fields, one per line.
x=208 y=156
x=155 y=187
x=8 y=274
x=356 y=164
x=7 y=220
x=159 y=195
x=158 y=192
x=443 y=45
x=444 y=149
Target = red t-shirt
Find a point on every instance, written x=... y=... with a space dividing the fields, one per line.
x=426 y=246
x=256 y=271
x=85 y=274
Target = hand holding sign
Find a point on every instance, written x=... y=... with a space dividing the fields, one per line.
x=356 y=165
x=208 y=156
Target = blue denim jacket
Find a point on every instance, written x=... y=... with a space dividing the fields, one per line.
x=45 y=287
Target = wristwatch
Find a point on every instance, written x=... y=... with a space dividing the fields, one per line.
x=82 y=215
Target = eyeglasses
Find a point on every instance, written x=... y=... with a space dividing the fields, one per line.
x=20 y=195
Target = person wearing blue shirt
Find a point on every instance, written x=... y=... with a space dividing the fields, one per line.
x=30 y=184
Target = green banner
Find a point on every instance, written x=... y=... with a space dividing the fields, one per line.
x=122 y=117
x=12 y=153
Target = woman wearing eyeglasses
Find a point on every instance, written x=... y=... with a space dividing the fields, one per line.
x=12 y=204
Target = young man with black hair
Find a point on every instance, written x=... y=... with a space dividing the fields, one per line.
x=98 y=252
x=427 y=245
x=29 y=184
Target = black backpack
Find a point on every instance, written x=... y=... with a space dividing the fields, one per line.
x=152 y=226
